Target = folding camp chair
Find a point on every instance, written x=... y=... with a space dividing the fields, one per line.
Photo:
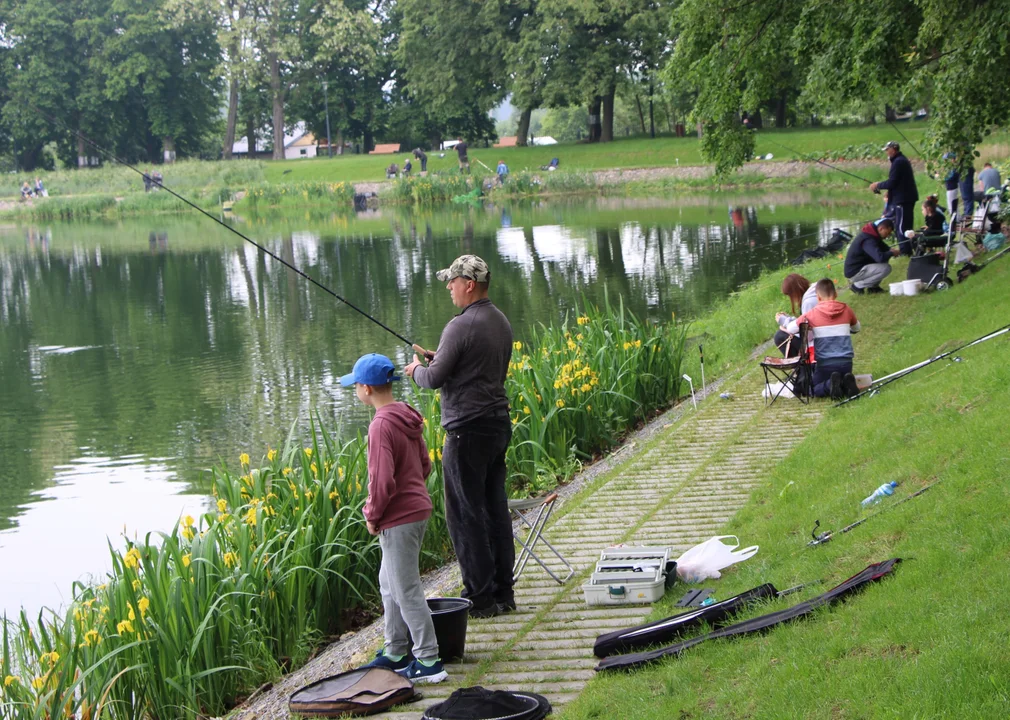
x=790 y=373
x=535 y=523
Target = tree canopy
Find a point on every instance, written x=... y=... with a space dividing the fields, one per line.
x=156 y=78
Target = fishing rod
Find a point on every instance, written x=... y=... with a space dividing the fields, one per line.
x=825 y=537
x=903 y=137
x=888 y=379
x=261 y=248
x=817 y=160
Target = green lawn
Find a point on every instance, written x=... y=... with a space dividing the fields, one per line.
x=622 y=153
x=926 y=643
x=211 y=179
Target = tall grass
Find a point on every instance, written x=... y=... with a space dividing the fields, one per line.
x=262 y=195
x=439 y=188
x=190 y=620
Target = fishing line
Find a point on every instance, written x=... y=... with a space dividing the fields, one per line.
x=828 y=165
x=905 y=138
x=220 y=222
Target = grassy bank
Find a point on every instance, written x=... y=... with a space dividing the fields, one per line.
x=213 y=180
x=921 y=644
x=191 y=620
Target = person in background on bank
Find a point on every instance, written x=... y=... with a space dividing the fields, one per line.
x=464 y=161
x=392 y=171
x=421 y=157
x=503 y=171
x=867 y=262
x=832 y=324
x=397 y=510
x=26 y=191
x=40 y=190
x=990 y=183
x=407 y=167
x=470 y=366
x=933 y=216
x=802 y=299
x=951 y=182
x=967 y=188
x=903 y=192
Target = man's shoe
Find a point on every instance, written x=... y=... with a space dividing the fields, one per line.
x=506 y=607
x=874 y=290
x=857 y=290
x=390 y=662
x=849 y=386
x=836 y=386
x=421 y=672
x=487 y=611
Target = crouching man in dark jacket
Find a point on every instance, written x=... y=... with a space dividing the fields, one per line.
x=866 y=264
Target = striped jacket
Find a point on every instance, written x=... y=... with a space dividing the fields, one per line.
x=831 y=324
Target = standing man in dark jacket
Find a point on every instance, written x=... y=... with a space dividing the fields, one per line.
x=423 y=157
x=866 y=264
x=904 y=194
x=470 y=366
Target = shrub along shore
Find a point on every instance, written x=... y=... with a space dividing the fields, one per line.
x=191 y=620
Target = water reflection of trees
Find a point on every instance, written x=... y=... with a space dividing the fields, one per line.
x=204 y=351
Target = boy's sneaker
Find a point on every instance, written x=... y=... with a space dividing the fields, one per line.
x=836 y=386
x=390 y=662
x=506 y=607
x=849 y=385
x=425 y=671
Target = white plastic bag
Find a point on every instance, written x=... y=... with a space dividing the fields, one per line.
x=704 y=561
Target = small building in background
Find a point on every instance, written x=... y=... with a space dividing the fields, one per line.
x=299 y=143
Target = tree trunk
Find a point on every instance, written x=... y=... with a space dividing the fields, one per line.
x=594 y=119
x=340 y=142
x=889 y=114
x=82 y=153
x=523 y=131
x=607 y=131
x=168 y=149
x=369 y=141
x=780 y=111
x=755 y=119
x=641 y=114
x=700 y=128
x=250 y=136
x=232 y=120
x=652 y=115
x=277 y=96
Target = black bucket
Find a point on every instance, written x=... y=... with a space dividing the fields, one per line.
x=449 y=616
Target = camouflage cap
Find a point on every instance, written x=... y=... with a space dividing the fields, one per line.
x=467 y=266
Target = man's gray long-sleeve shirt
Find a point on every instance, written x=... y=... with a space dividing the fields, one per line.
x=470 y=365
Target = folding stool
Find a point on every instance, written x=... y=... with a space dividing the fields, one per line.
x=535 y=527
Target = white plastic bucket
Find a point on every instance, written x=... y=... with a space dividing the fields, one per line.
x=911 y=287
x=897 y=288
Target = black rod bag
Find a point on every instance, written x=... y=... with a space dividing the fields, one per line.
x=758 y=624
x=663 y=631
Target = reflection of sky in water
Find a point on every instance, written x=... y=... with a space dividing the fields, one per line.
x=61 y=536
x=197 y=355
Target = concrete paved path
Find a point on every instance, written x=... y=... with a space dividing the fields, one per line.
x=680 y=490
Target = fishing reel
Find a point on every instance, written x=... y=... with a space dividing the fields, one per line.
x=818 y=538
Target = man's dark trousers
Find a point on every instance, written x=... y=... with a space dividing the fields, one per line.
x=476 y=508
x=904 y=219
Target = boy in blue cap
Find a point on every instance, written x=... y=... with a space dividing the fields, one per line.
x=397 y=510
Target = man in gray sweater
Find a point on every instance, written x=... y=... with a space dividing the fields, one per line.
x=470 y=366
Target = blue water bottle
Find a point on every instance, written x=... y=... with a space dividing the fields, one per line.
x=880 y=493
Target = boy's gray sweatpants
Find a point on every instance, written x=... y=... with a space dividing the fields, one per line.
x=406 y=612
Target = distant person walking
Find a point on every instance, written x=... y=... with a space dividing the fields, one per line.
x=502 y=171
x=470 y=366
x=904 y=194
x=421 y=157
x=464 y=161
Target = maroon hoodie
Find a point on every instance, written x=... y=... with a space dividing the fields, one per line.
x=398 y=465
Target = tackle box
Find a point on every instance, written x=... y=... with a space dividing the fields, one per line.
x=628 y=576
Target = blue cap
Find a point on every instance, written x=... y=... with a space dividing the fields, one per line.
x=371 y=369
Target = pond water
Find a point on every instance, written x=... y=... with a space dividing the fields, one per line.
x=135 y=355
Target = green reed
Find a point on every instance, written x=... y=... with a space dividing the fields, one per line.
x=190 y=620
